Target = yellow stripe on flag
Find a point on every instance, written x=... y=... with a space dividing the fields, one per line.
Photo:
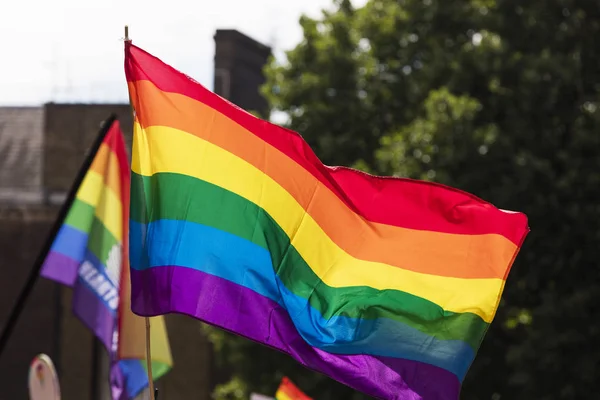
x=280 y=395
x=105 y=201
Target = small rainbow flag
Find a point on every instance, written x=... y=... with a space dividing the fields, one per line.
x=387 y=285
x=288 y=391
x=89 y=254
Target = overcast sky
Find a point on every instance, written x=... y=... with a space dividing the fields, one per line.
x=72 y=50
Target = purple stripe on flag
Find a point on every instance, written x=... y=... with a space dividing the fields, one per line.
x=117 y=383
x=60 y=268
x=88 y=307
x=245 y=312
x=95 y=314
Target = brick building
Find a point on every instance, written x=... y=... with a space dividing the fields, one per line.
x=41 y=149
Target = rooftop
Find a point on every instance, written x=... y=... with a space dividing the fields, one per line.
x=21 y=152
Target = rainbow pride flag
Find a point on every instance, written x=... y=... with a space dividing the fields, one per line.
x=386 y=285
x=288 y=391
x=89 y=254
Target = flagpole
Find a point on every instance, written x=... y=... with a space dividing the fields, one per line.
x=149 y=359
x=153 y=394
x=39 y=262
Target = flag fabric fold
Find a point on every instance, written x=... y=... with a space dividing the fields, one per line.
x=387 y=285
x=89 y=254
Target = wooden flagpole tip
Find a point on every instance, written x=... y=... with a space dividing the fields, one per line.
x=127 y=33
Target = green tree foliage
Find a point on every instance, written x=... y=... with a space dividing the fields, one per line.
x=499 y=98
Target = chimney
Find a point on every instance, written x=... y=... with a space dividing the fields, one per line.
x=239 y=61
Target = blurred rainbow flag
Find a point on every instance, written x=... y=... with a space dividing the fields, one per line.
x=288 y=391
x=89 y=254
